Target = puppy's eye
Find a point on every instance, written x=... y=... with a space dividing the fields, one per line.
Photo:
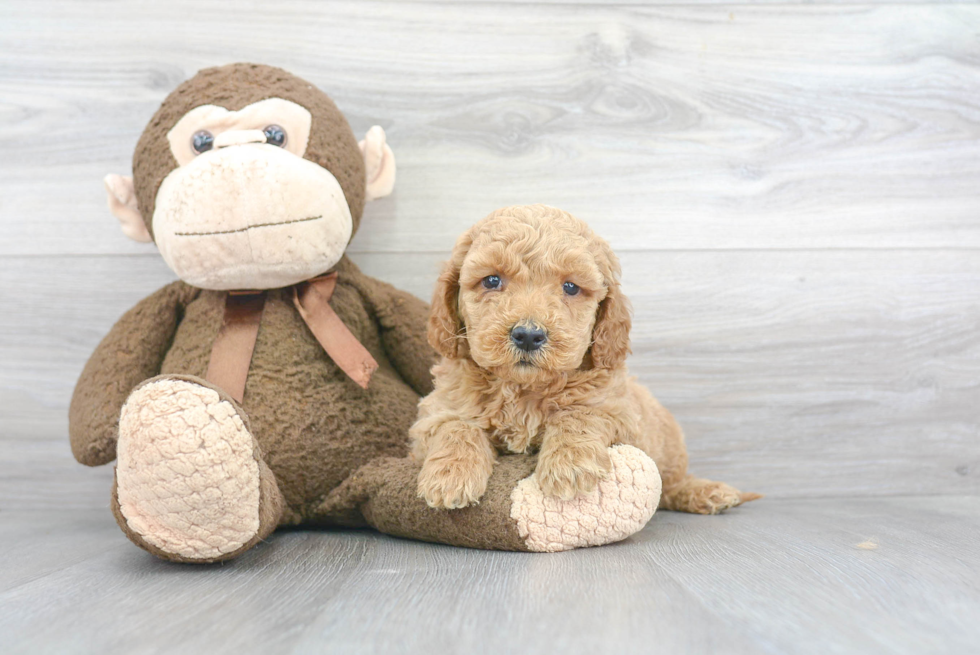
x=275 y=135
x=202 y=141
x=491 y=282
x=570 y=288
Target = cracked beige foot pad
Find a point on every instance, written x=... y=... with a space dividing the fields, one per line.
x=187 y=479
x=623 y=503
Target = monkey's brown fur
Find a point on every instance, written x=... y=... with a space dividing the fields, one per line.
x=336 y=451
x=332 y=144
x=303 y=419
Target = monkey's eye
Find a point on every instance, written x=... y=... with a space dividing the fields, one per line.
x=491 y=282
x=275 y=135
x=570 y=288
x=202 y=141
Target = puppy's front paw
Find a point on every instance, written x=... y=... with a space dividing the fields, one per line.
x=446 y=482
x=574 y=470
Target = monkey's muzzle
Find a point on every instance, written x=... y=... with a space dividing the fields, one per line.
x=251 y=216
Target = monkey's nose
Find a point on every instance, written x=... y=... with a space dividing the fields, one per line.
x=528 y=337
x=238 y=138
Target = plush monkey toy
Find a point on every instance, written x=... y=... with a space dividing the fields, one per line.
x=274 y=383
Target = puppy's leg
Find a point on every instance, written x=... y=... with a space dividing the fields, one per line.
x=664 y=441
x=458 y=461
x=574 y=455
x=699 y=496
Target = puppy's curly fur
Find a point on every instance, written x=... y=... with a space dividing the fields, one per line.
x=568 y=397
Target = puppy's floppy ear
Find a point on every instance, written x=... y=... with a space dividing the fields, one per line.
x=611 y=334
x=446 y=330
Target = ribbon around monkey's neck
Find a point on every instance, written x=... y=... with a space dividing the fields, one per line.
x=231 y=354
x=312 y=301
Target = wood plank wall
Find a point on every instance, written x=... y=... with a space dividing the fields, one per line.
x=794 y=190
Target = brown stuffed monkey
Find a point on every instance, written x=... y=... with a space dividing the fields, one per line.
x=274 y=383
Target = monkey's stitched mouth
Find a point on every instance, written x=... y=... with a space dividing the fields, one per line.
x=246 y=229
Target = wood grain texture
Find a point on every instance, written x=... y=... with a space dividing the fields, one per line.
x=793 y=192
x=666 y=127
x=779 y=577
x=793 y=373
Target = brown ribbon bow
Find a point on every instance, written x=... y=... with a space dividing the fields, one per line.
x=231 y=354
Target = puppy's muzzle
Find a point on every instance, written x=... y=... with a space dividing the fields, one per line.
x=528 y=337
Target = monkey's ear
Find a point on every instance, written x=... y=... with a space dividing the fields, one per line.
x=379 y=164
x=121 y=196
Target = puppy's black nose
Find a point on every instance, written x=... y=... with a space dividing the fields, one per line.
x=528 y=337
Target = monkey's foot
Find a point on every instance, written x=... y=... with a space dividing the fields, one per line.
x=191 y=485
x=621 y=505
x=513 y=514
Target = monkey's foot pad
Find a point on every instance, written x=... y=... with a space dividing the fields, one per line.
x=187 y=476
x=621 y=505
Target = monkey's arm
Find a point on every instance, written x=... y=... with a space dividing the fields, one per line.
x=402 y=318
x=132 y=352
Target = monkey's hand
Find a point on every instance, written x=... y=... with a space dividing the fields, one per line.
x=132 y=352
x=402 y=318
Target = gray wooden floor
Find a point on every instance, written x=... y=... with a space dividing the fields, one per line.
x=794 y=190
x=787 y=576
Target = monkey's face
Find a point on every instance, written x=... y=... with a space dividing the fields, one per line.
x=244 y=210
x=248 y=177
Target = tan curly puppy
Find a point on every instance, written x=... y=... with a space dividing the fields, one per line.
x=534 y=332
